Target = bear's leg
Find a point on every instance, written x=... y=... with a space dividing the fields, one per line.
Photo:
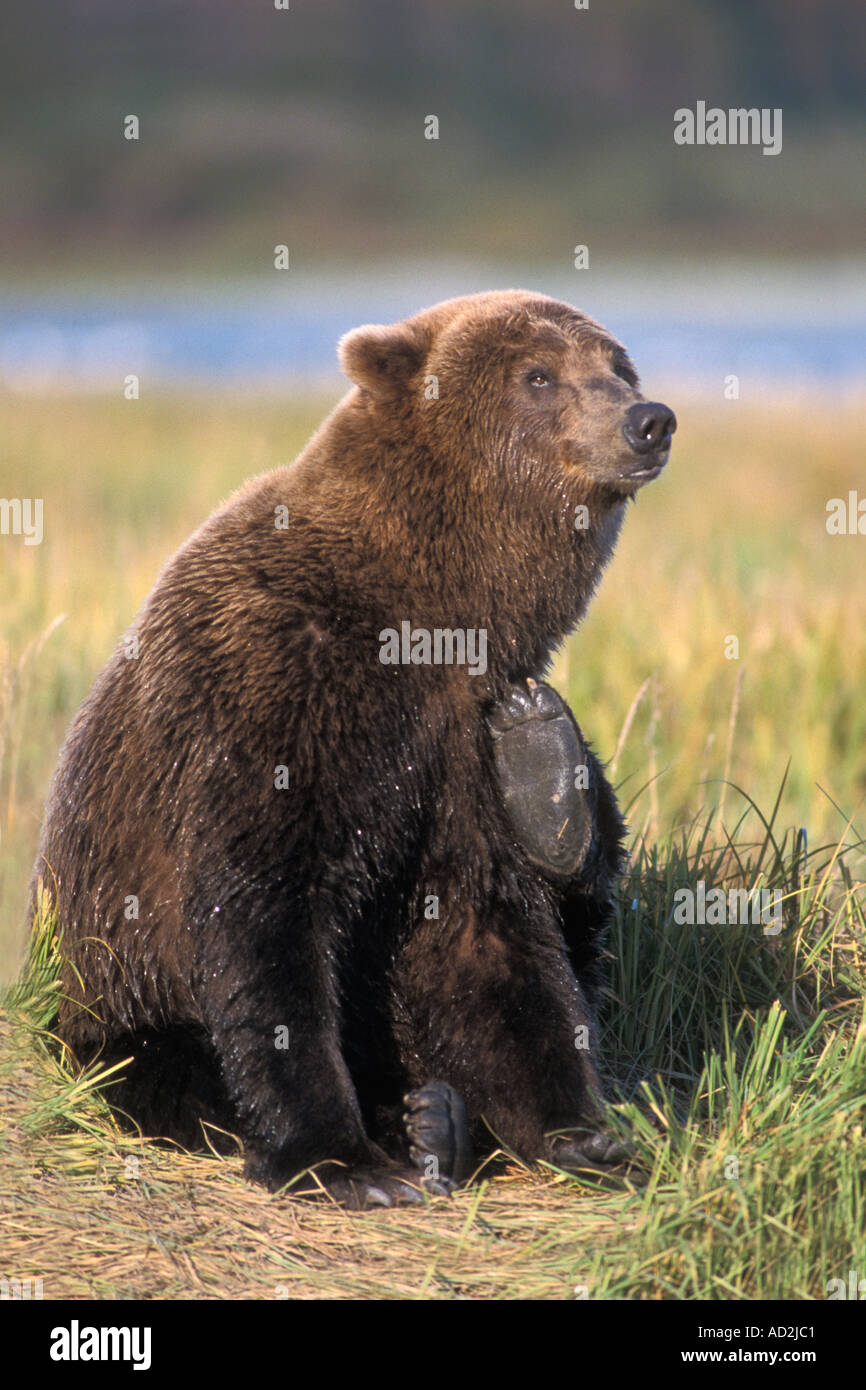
x=497 y=1012
x=562 y=811
x=276 y=1031
x=565 y=816
x=544 y=777
x=172 y=1086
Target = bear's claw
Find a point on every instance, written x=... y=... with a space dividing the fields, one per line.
x=359 y=1191
x=376 y=1184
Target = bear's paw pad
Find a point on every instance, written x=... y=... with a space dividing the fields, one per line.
x=543 y=773
x=438 y=1130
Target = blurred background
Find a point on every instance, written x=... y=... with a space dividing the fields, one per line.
x=305 y=127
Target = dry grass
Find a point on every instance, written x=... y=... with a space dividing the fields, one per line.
x=105 y=1215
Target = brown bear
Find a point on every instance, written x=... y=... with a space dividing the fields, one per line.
x=332 y=864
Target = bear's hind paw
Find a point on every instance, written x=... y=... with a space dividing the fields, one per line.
x=438 y=1130
x=592 y=1150
x=543 y=773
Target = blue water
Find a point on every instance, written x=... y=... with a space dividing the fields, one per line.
x=693 y=324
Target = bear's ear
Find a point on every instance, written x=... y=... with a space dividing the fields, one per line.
x=383 y=357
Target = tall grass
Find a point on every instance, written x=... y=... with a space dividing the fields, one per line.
x=740 y=1061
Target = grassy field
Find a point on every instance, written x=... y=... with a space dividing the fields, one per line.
x=739 y=1058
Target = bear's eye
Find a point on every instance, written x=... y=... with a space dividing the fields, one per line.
x=624 y=372
x=538 y=378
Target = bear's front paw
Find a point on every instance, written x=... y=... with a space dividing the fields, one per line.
x=358 y=1190
x=438 y=1129
x=543 y=775
x=385 y=1185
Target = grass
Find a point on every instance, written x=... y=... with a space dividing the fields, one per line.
x=738 y=1058
x=747 y=1084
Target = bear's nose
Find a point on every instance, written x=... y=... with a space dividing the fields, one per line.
x=648 y=426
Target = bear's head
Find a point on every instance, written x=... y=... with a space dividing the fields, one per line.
x=520 y=387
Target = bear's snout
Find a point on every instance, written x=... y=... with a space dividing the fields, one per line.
x=648 y=427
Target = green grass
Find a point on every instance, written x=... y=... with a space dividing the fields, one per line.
x=738 y=1058
x=743 y=1058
